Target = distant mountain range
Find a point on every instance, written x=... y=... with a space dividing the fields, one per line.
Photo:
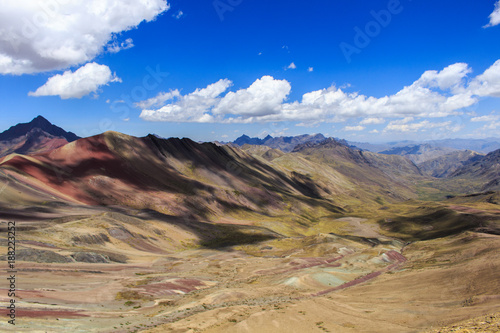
x=443 y=166
x=107 y=169
x=37 y=136
x=283 y=143
x=419 y=153
x=483 y=146
x=403 y=148
x=438 y=158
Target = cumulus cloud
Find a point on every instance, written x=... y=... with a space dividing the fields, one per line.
x=435 y=94
x=83 y=81
x=310 y=69
x=487 y=118
x=45 y=35
x=495 y=16
x=404 y=126
x=372 y=121
x=357 y=128
x=451 y=77
x=158 y=100
x=292 y=66
x=264 y=97
x=488 y=83
x=193 y=107
x=491 y=126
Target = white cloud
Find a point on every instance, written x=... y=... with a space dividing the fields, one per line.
x=264 y=97
x=495 y=16
x=405 y=126
x=435 y=94
x=178 y=15
x=354 y=128
x=488 y=118
x=83 y=81
x=193 y=107
x=488 y=83
x=310 y=69
x=44 y=35
x=292 y=66
x=116 y=47
x=491 y=126
x=159 y=100
x=452 y=77
x=372 y=121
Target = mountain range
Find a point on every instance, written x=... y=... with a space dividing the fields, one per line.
x=106 y=169
x=283 y=143
x=483 y=146
x=168 y=233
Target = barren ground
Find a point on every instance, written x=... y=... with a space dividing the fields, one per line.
x=153 y=279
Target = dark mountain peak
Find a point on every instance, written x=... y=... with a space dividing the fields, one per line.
x=41 y=123
x=245 y=139
x=318 y=136
x=268 y=137
x=326 y=143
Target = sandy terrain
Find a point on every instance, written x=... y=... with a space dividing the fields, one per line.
x=322 y=282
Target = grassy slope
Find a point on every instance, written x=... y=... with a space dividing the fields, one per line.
x=257 y=198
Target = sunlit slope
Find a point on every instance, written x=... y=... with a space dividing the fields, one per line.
x=348 y=176
x=174 y=176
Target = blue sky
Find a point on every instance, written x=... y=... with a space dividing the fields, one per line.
x=360 y=70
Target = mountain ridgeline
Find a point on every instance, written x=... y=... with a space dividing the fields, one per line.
x=247 y=177
x=283 y=143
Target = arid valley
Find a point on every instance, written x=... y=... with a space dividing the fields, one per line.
x=116 y=233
